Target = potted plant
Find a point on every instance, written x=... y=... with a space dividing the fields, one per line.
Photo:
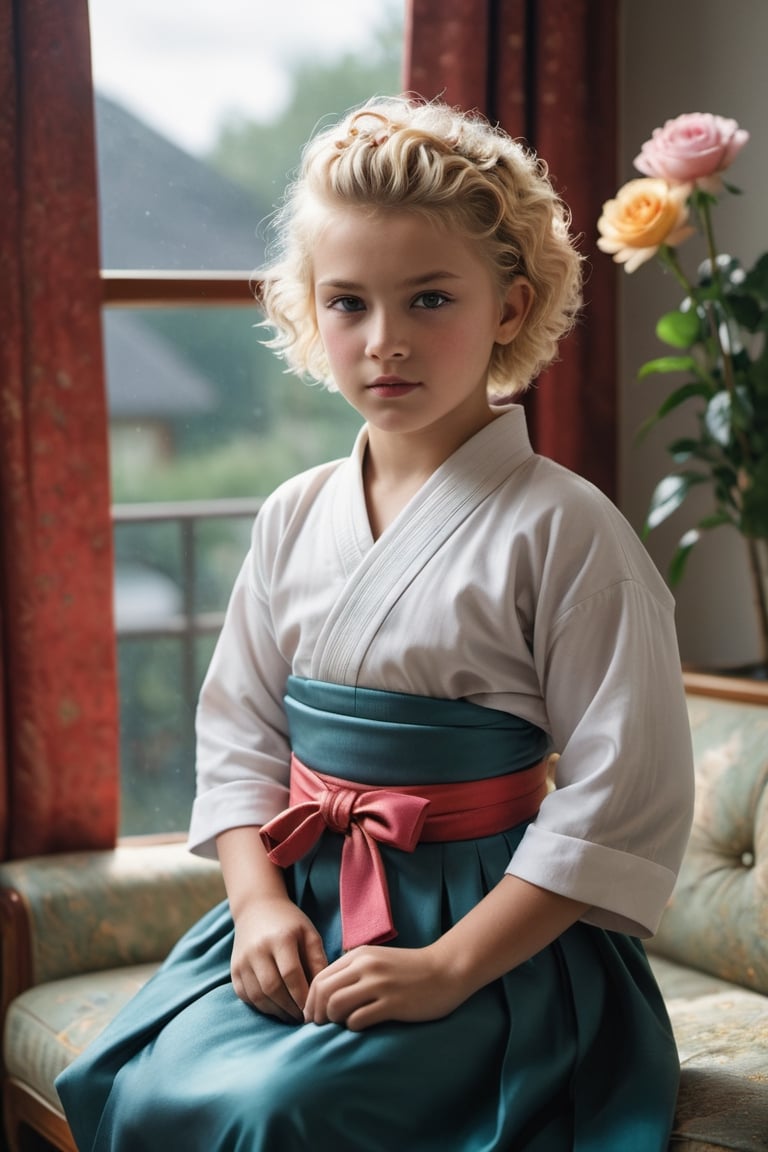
x=717 y=337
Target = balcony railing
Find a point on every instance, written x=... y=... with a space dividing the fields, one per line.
x=189 y=623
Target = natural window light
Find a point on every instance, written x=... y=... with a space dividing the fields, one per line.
x=201 y=112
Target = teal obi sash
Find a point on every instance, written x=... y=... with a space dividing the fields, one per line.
x=392 y=738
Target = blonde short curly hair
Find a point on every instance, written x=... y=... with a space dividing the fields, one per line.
x=456 y=169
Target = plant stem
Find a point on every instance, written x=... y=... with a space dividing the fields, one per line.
x=705 y=215
x=702 y=207
x=758 y=562
x=668 y=256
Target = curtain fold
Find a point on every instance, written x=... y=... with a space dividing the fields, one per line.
x=58 y=699
x=546 y=71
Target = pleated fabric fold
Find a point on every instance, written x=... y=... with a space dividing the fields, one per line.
x=570 y=1052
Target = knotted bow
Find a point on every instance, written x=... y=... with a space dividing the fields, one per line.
x=365 y=817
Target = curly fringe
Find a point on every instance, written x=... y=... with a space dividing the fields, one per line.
x=457 y=170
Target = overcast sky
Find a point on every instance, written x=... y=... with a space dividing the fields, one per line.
x=183 y=65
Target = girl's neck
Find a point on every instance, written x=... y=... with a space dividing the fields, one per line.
x=385 y=497
x=397 y=466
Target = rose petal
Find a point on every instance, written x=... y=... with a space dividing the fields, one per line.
x=638 y=256
x=691 y=147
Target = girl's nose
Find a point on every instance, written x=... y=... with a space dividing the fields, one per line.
x=386 y=339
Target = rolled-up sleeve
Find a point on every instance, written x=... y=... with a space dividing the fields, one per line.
x=614 y=830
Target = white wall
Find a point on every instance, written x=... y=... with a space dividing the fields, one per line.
x=690 y=56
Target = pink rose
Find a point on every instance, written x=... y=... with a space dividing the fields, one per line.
x=695 y=147
x=644 y=215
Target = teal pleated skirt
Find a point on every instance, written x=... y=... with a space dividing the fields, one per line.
x=570 y=1052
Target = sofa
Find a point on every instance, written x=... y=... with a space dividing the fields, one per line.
x=81 y=932
x=711 y=951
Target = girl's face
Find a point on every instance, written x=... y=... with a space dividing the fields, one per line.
x=408 y=314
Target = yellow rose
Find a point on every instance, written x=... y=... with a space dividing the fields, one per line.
x=645 y=214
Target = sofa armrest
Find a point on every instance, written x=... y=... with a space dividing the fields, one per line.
x=86 y=911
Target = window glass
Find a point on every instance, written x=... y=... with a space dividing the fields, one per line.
x=201 y=111
x=200 y=409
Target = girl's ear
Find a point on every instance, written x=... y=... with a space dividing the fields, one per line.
x=515 y=307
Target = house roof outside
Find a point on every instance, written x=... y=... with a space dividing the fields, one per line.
x=146 y=376
x=161 y=208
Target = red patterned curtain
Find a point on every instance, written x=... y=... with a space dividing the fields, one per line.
x=546 y=71
x=58 y=699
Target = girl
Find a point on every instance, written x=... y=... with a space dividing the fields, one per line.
x=425 y=945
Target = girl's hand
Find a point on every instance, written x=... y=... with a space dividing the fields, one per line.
x=276 y=954
x=371 y=984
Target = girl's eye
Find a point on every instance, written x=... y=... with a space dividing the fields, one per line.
x=431 y=300
x=347 y=304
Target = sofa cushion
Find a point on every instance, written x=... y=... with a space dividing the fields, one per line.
x=717 y=918
x=46 y=1027
x=722 y=1036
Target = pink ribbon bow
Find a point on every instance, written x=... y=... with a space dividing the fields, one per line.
x=365 y=817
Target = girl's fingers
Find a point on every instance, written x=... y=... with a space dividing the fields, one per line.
x=313 y=956
x=373 y=984
x=337 y=985
x=266 y=990
x=299 y=963
x=275 y=977
x=365 y=1017
x=345 y=1003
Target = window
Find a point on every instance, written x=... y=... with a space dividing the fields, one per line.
x=200 y=114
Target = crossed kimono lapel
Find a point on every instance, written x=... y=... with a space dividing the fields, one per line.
x=381 y=574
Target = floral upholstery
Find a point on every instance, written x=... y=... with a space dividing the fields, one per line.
x=95 y=910
x=722 y=1036
x=47 y=1026
x=81 y=933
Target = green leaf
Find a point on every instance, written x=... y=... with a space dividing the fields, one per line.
x=680 y=329
x=743 y=409
x=674 y=400
x=728 y=412
x=685 y=448
x=687 y=392
x=726 y=474
x=716 y=520
x=746 y=311
x=700 y=197
x=757 y=278
x=689 y=540
x=718 y=418
x=668 y=495
x=668 y=364
x=680 y=559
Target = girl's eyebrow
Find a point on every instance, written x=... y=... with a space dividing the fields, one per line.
x=429 y=277
x=411 y=282
x=343 y=285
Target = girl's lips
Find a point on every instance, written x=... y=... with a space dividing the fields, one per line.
x=391 y=386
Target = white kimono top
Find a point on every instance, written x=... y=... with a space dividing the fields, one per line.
x=507 y=581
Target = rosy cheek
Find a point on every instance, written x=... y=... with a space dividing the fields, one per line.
x=337 y=343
